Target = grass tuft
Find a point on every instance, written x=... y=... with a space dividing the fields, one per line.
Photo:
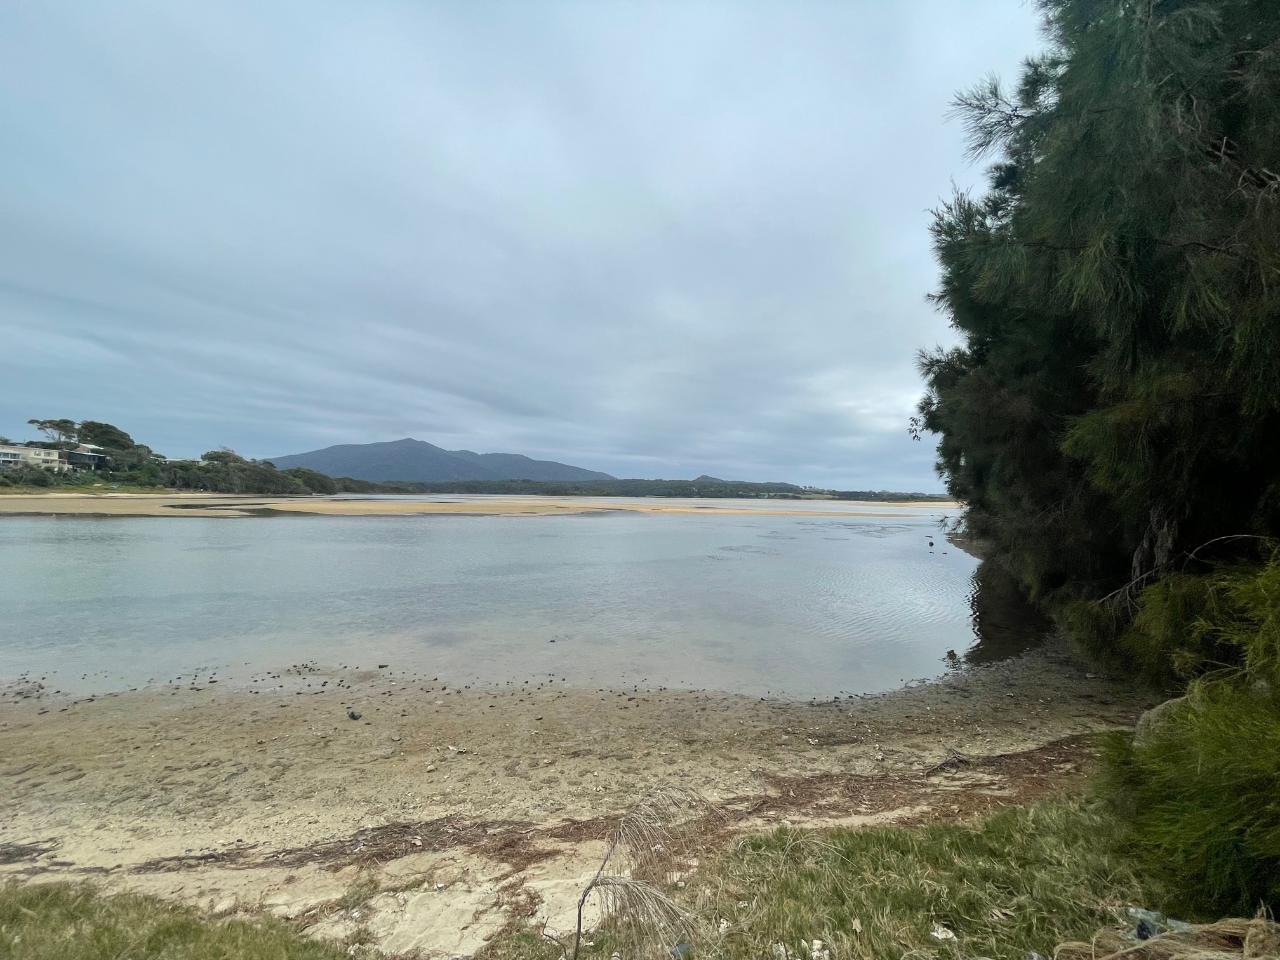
x=58 y=921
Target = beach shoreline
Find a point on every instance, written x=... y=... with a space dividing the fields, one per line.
x=62 y=504
x=437 y=802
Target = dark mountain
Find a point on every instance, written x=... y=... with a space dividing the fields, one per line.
x=417 y=460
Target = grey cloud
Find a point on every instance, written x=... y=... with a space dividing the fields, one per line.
x=657 y=239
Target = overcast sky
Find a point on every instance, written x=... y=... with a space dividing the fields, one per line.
x=657 y=239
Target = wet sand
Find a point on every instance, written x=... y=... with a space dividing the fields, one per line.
x=221 y=505
x=453 y=810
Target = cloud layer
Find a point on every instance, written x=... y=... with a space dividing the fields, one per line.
x=657 y=239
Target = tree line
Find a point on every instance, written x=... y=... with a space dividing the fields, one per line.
x=136 y=464
x=225 y=471
x=1111 y=417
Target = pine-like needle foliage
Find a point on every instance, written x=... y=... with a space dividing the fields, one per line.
x=1113 y=410
x=1116 y=398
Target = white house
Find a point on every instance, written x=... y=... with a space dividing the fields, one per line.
x=83 y=457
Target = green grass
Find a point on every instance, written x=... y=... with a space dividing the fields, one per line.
x=1020 y=880
x=72 y=922
x=1023 y=879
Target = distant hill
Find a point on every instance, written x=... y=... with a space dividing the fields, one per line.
x=419 y=461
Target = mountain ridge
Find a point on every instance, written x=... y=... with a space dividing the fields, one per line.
x=414 y=460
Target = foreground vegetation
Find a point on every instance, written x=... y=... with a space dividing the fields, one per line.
x=1021 y=880
x=67 y=922
x=1110 y=417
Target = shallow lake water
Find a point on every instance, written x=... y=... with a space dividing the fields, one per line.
x=793 y=606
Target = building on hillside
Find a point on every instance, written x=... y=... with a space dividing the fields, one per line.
x=81 y=458
x=84 y=457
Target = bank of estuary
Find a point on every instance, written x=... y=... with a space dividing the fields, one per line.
x=429 y=817
x=222 y=505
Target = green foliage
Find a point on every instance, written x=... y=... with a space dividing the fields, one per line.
x=1254 y=629
x=27 y=476
x=312 y=481
x=1115 y=400
x=60 y=431
x=1224 y=623
x=56 y=921
x=1201 y=795
x=1201 y=786
x=104 y=435
x=1116 y=397
x=1171 y=636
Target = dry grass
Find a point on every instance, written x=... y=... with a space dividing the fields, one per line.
x=652 y=841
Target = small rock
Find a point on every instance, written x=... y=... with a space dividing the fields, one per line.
x=941 y=933
x=223 y=908
x=353 y=713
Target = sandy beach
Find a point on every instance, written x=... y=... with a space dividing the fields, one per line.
x=440 y=814
x=222 y=505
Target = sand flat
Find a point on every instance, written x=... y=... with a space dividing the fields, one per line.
x=225 y=505
x=270 y=797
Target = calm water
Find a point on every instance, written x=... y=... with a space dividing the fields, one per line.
x=784 y=605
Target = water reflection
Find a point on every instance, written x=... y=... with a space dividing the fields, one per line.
x=1005 y=623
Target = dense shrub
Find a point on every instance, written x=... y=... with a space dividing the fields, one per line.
x=1200 y=788
x=1187 y=625
x=1200 y=793
x=25 y=476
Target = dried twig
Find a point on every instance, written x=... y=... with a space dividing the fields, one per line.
x=648 y=844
